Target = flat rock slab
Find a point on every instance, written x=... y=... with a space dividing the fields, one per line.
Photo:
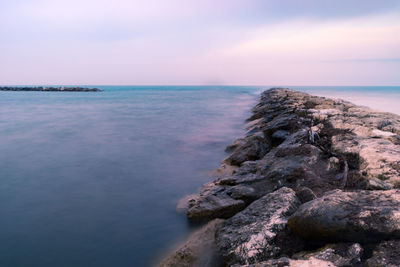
x=248 y=237
x=361 y=216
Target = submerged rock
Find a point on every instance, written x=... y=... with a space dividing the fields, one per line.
x=248 y=237
x=362 y=216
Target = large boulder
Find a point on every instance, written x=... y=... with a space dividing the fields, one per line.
x=362 y=216
x=386 y=254
x=249 y=236
x=198 y=251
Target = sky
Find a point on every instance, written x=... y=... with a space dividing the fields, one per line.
x=203 y=42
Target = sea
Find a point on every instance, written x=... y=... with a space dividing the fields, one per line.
x=93 y=179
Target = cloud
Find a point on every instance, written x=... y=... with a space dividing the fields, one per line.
x=364 y=60
x=194 y=42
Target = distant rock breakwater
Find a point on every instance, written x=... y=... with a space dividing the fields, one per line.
x=315 y=182
x=49 y=89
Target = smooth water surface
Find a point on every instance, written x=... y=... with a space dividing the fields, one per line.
x=92 y=179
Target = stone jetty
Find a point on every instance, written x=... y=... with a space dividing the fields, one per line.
x=314 y=182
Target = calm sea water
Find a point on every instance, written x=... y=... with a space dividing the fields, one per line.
x=92 y=179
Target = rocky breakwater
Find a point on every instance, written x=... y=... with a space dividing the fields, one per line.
x=313 y=183
x=49 y=89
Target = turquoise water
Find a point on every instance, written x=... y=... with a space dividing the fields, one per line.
x=92 y=179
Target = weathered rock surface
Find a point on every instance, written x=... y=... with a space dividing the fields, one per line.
x=362 y=216
x=198 y=251
x=248 y=237
x=341 y=160
x=252 y=148
x=305 y=194
x=333 y=255
x=376 y=184
x=338 y=254
x=213 y=202
x=286 y=262
x=385 y=254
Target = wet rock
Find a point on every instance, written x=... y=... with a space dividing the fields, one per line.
x=238 y=142
x=253 y=148
x=245 y=193
x=198 y=251
x=213 y=201
x=212 y=204
x=386 y=254
x=248 y=237
x=362 y=216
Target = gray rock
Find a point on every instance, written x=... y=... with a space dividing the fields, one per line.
x=353 y=148
x=213 y=201
x=305 y=194
x=252 y=148
x=363 y=216
x=211 y=206
x=200 y=249
x=247 y=167
x=248 y=237
x=245 y=193
x=338 y=254
x=238 y=142
x=239 y=179
x=386 y=254
x=333 y=255
x=280 y=136
x=376 y=184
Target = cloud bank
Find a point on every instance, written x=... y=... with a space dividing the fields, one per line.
x=119 y=42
